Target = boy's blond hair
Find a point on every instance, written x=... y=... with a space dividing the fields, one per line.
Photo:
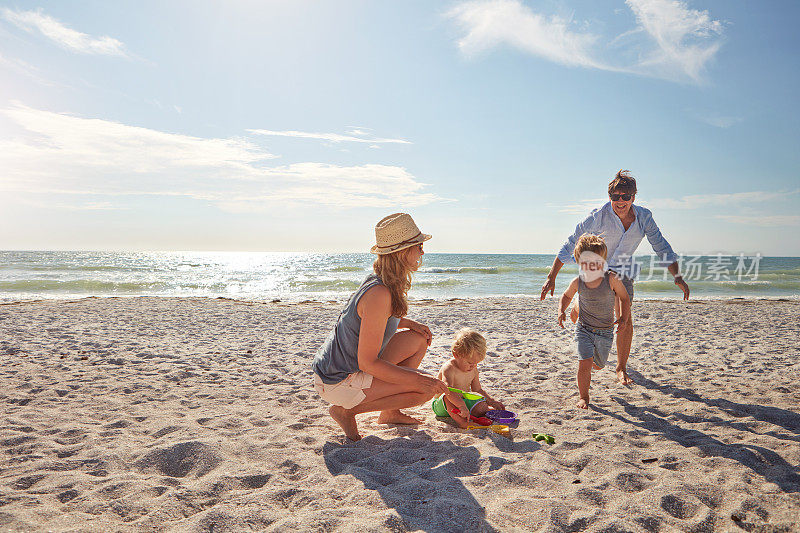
x=469 y=342
x=590 y=243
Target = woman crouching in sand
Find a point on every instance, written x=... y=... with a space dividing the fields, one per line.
x=365 y=364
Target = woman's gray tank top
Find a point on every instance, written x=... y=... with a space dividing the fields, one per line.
x=338 y=356
x=596 y=306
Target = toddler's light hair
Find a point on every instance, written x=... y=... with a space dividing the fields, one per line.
x=589 y=242
x=469 y=342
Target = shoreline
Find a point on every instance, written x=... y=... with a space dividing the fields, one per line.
x=412 y=301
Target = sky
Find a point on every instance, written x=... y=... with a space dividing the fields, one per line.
x=296 y=125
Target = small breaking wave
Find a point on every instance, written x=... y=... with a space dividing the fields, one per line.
x=83 y=286
x=483 y=270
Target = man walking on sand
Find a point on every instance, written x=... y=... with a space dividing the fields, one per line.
x=622 y=226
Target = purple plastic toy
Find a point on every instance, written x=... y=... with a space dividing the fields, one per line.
x=500 y=416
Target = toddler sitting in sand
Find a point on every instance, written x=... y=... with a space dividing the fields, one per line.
x=597 y=288
x=461 y=372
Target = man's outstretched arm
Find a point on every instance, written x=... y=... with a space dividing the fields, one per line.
x=550 y=282
x=663 y=250
x=674 y=269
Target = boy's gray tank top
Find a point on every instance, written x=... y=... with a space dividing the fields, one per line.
x=338 y=356
x=596 y=306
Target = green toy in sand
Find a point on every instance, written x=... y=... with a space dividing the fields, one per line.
x=470 y=398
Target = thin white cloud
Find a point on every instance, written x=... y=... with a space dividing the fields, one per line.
x=719 y=121
x=25 y=68
x=698 y=201
x=581 y=207
x=59 y=33
x=766 y=221
x=60 y=154
x=695 y=201
x=323 y=184
x=330 y=137
x=82 y=206
x=491 y=23
x=686 y=39
x=671 y=41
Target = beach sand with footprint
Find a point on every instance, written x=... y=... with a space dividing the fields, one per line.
x=166 y=414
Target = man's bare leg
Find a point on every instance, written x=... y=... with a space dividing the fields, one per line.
x=624 y=339
x=584 y=380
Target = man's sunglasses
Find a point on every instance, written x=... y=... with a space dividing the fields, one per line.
x=624 y=197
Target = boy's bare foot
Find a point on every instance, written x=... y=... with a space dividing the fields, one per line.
x=347 y=420
x=394 y=416
x=573 y=315
x=623 y=379
x=583 y=403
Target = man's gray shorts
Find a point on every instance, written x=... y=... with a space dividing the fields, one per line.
x=594 y=343
x=628 y=283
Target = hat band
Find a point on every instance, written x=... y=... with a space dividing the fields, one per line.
x=399 y=243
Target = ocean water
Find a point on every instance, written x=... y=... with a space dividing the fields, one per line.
x=312 y=276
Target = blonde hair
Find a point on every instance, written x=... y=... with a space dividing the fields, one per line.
x=590 y=243
x=468 y=342
x=395 y=273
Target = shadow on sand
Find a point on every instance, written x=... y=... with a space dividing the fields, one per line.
x=788 y=420
x=759 y=459
x=418 y=477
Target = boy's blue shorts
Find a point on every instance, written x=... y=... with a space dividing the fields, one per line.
x=594 y=343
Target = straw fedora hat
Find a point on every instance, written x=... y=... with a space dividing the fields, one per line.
x=396 y=232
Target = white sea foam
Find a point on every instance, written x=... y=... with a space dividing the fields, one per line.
x=301 y=276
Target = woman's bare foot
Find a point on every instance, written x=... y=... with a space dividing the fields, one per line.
x=394 y=416
x=583 y=403
x=347 y=420
x=623 y=379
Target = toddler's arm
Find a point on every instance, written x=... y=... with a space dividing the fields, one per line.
x=457 y=409
x=566 y=298
x=476 y=387
x=453 y=400
x=624 y=299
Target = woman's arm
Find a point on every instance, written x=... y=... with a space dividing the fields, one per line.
x=413 y=325
x=375 y=307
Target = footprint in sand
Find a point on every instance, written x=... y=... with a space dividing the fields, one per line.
x=632 y=481
x=679 y=505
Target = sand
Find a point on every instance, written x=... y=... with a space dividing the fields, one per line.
x=160 y=414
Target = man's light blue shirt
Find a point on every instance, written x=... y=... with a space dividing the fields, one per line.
x=621 y=244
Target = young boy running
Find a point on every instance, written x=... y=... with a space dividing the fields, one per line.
x=597 y=288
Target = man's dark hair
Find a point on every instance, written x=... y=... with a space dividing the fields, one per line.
x=623 y=182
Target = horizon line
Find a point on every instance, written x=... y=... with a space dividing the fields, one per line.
x=554 y=254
